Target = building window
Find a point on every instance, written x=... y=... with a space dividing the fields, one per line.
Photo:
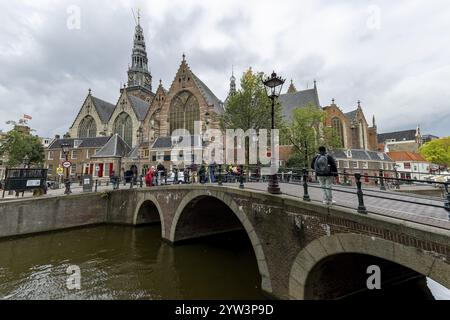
x=73 y=170
x=107 y=171
x=87 y=154
x=123 y=126
x=50 y=155
x=74 y=154
x=365 y=165
x=87 y=128
x=50 y=169
x=62 y=156
x=355 y=164
x=160 y=156
x=146 y=153
x=346 y=164
x=339 y=129
x=184 y=111
x=407 y=165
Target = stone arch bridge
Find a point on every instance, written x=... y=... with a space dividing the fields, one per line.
x=303 y=250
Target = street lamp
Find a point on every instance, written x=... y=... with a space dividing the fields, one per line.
x=65 y=147
x=273 y=85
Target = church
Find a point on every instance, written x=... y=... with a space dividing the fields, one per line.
x=135 y=132
x=143 y=118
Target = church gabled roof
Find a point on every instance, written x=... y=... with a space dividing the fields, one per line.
x=406 y=135
x=209 y=96
x=351 y=115
x=97 y=142
x=139 y=106
x=104 y=109
x=290 y=101
x=115 y=147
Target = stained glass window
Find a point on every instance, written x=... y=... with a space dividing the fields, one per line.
x=123 y=126
x=184 y=111
x=87 y=128
x=339 y=129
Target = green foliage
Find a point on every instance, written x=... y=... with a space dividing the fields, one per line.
x=437 y=151
x=306 y=132
x=18 y=145
x=249 y=107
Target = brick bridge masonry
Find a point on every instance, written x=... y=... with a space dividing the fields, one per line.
x=303 y=250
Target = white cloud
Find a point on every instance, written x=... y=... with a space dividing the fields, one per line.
x=400 y=70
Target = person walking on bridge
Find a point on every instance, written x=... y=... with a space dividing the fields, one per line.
x=326 y=170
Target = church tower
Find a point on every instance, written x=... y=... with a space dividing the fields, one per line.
x=139 y=76
x=232 y=83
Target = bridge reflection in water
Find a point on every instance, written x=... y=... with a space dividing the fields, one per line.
x=126 y=263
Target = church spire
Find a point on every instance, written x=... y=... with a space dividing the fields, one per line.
x=232 y=82
x=292 y=88
x=139 y=74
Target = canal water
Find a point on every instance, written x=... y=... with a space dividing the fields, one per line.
x=133 y=263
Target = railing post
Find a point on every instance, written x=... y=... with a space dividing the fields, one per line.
x=361 y=206
x=382 y=186
x=220 y=175
x=241 y=177
x=447 y=202
x=306 y=196
x=96 y=185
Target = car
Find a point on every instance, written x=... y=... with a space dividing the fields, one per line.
x=171 y=177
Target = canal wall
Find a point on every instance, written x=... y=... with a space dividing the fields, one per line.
x=24 y=217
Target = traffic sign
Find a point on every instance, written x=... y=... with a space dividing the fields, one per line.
x=67 y=164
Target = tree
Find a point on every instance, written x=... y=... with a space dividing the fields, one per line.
x=17 y=145
x=250 y=108
x=306 y=132
x=437 y=151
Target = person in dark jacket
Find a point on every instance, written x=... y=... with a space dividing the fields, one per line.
x=326 y=170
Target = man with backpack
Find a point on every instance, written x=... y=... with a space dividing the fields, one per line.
x=326 y=170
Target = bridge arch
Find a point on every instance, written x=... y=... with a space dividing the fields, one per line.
x=318 y=251
x=149 y=206
x=227 y=200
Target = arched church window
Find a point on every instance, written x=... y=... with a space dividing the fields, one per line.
x=362 y=135
x=123 y=126
x=87 y=128
x=184 y=111
x=339 y=129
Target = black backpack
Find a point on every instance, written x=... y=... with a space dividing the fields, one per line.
x=321 y=166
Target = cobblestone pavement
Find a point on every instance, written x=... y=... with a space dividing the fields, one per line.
x=408 y=207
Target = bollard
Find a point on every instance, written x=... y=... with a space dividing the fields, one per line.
x=382 y=186
x=306 y=196
x=220 y=175
x=141 y=182
x=361 y=207
x=131 y=184
x=96 y=185
x=447 y=202
x=241 y=178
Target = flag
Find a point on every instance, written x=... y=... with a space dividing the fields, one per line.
x=25 y=116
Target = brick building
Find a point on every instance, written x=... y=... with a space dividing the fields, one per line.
x=80 y=155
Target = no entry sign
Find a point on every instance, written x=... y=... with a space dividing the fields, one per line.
x=67 y=164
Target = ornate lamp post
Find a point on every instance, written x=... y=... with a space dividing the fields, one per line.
x=274 y=85
x=65 y=150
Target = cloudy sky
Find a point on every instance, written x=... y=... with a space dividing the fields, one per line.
x=394 y=56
